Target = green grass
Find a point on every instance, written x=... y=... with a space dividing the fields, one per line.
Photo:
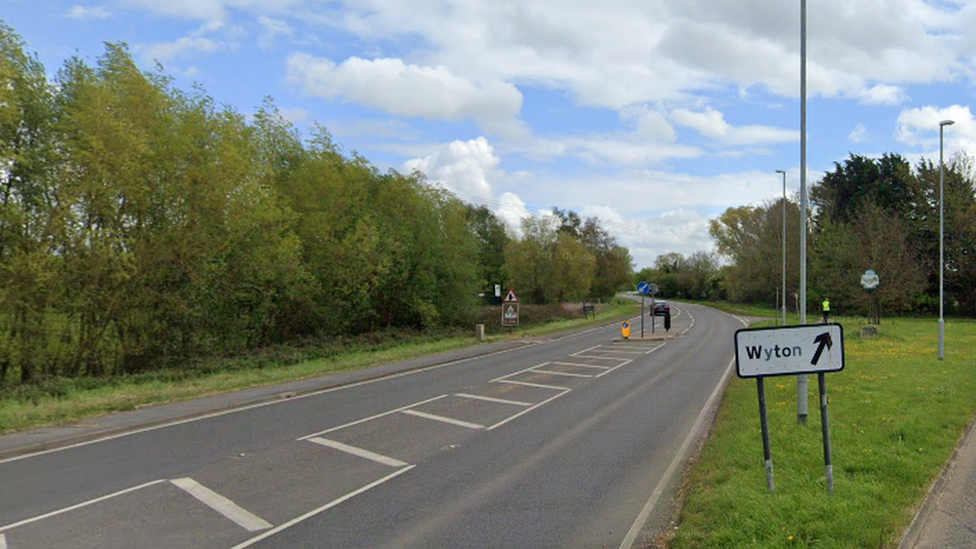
x=895 y=413
x=63 y=400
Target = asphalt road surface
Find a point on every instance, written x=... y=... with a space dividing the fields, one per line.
x=572 y=442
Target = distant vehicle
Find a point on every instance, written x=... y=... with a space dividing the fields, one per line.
x=661 y=308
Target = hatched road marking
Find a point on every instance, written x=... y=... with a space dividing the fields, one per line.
x=358 y=452
x=444 y=419
x=245 y=519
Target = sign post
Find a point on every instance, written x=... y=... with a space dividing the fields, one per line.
x=510 y=309
x=643 y=288
x=791 y=350
x=870 y=282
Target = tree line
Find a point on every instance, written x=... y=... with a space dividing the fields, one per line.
x=867 y=213
x=143 y=226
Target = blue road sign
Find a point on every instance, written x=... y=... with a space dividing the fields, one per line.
x=643 y=288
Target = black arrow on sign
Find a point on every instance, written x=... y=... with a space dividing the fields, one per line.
x=824 y=340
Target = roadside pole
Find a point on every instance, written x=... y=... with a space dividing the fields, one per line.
x=828 y=461
x=764 y=422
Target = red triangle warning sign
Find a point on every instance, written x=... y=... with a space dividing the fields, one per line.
x=511 y=297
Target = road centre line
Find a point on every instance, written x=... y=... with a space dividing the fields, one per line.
x=561 y=363
x=443 y=419
x=527 y=410
x=370 y=418
x=565 y=374
x=322 y=509
x=493 y=399
x=244 y=518
x=358 y=452
x=80 y=505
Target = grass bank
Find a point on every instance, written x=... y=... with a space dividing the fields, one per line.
x=61 y=400
x=896 y=413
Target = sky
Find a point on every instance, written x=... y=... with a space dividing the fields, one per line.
x=653 y=115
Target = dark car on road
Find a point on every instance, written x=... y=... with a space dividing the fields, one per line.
x=661 y=308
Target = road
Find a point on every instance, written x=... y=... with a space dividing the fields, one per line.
x=576 y=441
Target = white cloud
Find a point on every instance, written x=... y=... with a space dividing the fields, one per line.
x=511 y=209
x=271 y=29
x=858 y=134
x=920 y=127
x=463 y=167
x=712 y=124
x=882 y=94
x=186 y=47
x=405 y=90
x=82 y=13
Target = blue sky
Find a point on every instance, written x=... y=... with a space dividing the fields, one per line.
x=654 y=115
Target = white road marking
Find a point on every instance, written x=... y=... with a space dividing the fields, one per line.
x=80 y=505
x=523 y=412
x=443 y=419
x=493 y=399
x=564 y=374
x=679 y=457
x=269 y=403
x=621 y=365
x=358 y=452
x=244 y=518
x=581 y=365
x=322 y=509
x=370 y=418
x=529 y=384
x=3 y=541
x=602 y=357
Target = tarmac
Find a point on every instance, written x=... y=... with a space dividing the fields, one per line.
x=945 y=520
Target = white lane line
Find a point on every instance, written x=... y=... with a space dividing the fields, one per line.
x=493 y=399
x=581 y=365
x=527 y=410
x=564 y=374
x=358 y=452
x=443 y=419
x=622 y=352
x=538 y=385
x=244 y=518
x=322 y=509
x=3 y=541
x=80 y=505
x=371 y=418
x=679 y=458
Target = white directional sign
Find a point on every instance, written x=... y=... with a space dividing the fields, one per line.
x=789 y=350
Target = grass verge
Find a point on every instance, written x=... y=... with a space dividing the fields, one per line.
x=895 y=413
x=61 y=400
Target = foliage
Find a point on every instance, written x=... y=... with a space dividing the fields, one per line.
x=868 y=213
x=143 y=228
x=896 y=413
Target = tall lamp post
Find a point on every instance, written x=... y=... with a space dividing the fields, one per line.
x=784 y=245
x=942 y=126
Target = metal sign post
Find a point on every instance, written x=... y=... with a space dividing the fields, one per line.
x=791 y=350
x=764 y=423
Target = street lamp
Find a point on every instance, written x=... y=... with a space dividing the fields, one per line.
x=942 y=126
x=784 y=245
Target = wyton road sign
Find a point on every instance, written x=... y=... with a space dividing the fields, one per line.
x=789 y=350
